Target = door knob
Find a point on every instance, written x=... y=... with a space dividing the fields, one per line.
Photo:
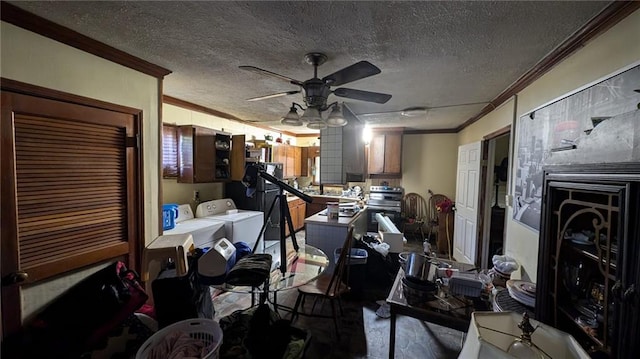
x=14 y=278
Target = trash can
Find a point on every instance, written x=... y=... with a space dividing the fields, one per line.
x=357 y=268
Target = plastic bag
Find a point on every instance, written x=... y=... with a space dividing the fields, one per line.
x=504 y=264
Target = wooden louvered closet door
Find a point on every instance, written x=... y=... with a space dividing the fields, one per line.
x=69 y=189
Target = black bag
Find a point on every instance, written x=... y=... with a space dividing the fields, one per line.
x=179 y=298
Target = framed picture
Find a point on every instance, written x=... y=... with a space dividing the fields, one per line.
x=596 y=124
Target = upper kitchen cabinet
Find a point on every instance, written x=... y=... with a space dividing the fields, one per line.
x=203 y=155
x=291 y=159
x=385 y=154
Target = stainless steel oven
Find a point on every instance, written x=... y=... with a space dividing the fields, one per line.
x=387 y=200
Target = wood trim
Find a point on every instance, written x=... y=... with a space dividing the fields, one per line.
x=8 y=207
x=387 y=129
x=31 y=22
x=43 y=92
x=497 y=133
x=307 y=135
x=607 y=18
x=209 y=111
x=194 y=107
x=430 y=132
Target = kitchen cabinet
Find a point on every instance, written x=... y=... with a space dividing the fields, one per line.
x=238 y=157
x=297 y=209
x=290 y=157
x=385 y=154
x=203 y=155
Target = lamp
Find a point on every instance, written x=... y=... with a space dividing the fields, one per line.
x=292 y=118
x=336 y=119
x=312 y=115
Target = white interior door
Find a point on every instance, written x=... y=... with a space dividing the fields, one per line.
x=467 y=198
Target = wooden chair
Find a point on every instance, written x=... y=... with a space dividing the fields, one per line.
x=414 y=211
x=327 y=286
x=432 y=216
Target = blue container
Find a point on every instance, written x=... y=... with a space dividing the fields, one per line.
x=169 y=215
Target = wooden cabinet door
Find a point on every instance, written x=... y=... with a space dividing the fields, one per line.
x=204 y=155
x=302 y=207
x=304 y=161
x=196 y=154
x=297 y=161
x=393 y=153
x=280 y=156
x=290 y=158
x=376 y=154
x=237 y=157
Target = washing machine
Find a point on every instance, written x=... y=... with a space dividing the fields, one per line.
x=240 y=225
x=204 y=231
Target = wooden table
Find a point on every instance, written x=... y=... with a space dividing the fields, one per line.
x=449 y=311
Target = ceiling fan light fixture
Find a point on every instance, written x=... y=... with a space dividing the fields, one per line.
x=317 y=125
x=336 y=119
x=291 y=118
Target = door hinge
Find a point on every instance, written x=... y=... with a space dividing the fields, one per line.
x=133 y=141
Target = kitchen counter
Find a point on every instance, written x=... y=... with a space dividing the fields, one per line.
x=340 y=222
x=329 y=234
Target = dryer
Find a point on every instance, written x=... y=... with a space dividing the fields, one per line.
x=240 y=225
x=204 y=231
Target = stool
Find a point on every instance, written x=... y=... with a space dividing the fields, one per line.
x=174 y=246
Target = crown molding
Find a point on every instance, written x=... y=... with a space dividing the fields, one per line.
x=31 y=22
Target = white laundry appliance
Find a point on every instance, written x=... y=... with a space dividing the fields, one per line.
x=204 y=231
x=240 y=225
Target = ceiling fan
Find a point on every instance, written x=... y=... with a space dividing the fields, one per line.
x=316 y=91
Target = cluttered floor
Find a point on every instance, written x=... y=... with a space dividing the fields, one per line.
x=363 y=329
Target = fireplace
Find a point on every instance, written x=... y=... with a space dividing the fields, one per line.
x=589 y=255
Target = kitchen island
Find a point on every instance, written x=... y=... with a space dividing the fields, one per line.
x=329 y=234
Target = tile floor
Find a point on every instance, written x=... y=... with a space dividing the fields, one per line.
x=363 y=334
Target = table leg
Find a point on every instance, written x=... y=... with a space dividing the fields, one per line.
x=392 y=335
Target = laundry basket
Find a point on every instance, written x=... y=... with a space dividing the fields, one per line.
x=206 y=330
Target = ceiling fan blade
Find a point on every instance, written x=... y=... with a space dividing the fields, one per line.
x=269 y=73
x=273 y=95
x=351 y=73
x=362 y=95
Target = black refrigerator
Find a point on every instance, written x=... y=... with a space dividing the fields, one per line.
x=261 y=199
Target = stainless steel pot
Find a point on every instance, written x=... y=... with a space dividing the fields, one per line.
x=417 y=266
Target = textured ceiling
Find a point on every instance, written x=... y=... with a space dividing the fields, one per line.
x=432 y=54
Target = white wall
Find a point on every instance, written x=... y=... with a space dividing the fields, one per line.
x=37 y=60
x=611 y=51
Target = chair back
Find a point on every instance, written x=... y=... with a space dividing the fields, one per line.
x=434 y=199
x=414 y=206
x=342 y=266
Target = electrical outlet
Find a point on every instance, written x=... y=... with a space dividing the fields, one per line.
x=196 y=195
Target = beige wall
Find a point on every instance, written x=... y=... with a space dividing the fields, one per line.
x=34 y=59
x=608 y=53
x=426 y=164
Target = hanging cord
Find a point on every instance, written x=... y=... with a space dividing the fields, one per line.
x=446 y=223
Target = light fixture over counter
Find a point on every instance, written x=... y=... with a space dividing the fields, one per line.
x=313 y=116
